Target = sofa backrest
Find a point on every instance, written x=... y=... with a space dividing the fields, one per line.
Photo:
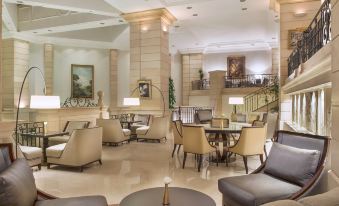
x=5 y=156
x=304 y=141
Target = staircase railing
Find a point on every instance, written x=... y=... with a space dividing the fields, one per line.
x=259 y=99
x=186 y=113
x=317 y=35
x=251 y=80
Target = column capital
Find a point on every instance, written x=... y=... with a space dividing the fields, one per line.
x=153 y=14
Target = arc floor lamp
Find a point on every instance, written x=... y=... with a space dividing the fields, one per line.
x=135 y=101
x=36 y=102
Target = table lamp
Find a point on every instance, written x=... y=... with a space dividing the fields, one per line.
x=235 y=101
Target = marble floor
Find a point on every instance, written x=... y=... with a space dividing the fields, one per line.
x=136 y=166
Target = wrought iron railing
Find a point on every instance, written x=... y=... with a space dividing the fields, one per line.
x=317 y=35
x=202 y=84
x=186 y=113
x=251 y=80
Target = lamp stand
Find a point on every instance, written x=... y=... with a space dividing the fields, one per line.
x=19 y=101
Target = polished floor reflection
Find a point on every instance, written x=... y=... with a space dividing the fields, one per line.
x=137 y=166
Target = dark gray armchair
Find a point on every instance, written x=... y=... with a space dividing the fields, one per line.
x=292 y=170
x=17 y=185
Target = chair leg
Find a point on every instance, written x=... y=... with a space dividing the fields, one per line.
x=183 y=164
x=39 y=166
x=265 y=151
x=200 y=161
x=245 y=163
x=261 y=158
x=217 y=158
x=226 y=155
x=100 y=162
x=175 y=146
x=81 y=168
x=178 y=148
x=48 y=166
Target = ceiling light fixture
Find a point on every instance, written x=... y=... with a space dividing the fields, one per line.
x=244 y=9
x=102 y=23
x=120 y=20
x=19 y=2
x=49 y=30
x=176 y=26
x=35 y=32
x=300 y=14
x=242 y=0
x=189 y=7
x=195 y=14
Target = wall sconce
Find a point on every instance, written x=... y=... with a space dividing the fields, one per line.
x=164 y=28
x=144 y=29
x=300 y=13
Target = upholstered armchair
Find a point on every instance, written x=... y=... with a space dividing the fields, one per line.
x=84 y=147
x=18 y=185
x=156 y=131
x=112 y=132
x=203 y=116
x=251 y=142
x=293 y=170
x=195 y=142
x=33 y=155
x=177 y=135
x=69 y=127
x=145 y=120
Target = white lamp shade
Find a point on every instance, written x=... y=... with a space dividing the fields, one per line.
x=131 y=101
x=45 y=102
x=236 y=100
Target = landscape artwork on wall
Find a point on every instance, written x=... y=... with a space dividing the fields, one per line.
x=82 y=81
x=145 y=89
x=294 y=36
x=236 y=66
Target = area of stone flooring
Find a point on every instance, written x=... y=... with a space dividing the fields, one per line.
x=136 y=166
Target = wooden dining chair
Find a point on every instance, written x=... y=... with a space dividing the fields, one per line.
x=251 y=142
x=177 y=135
x=195 y=142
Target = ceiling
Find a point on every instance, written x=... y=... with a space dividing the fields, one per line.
x=202 y=25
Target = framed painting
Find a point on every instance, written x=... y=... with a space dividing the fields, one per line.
x=82 y=81
x=145 y=89
x=236 y=66
x=294 y=36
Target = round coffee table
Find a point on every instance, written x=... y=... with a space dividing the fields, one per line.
x=178 y=197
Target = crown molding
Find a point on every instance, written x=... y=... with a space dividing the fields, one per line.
x=153 y=14
x=294 y=1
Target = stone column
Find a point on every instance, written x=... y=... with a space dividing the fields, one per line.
x=288 y=21
x=1 y=73
x=49 y=67
x=217 y=84
x=15 y=65
x=150 y=59
x=191 y=64
x=335 y=93
x=113 y=65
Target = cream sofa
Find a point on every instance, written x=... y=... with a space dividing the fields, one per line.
x=156 y=131
x=330 y=198
x=84 y=147
x=112 y=132
x=69 y=127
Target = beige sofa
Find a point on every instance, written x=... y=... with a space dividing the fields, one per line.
x=156 y=131
x=330 y=198
x=84 y=147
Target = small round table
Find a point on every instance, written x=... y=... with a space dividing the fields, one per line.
x=178 y=197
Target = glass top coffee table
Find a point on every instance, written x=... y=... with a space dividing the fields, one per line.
x=178 y=197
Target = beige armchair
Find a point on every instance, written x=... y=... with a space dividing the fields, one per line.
x=177 y=135
x=156 y=131
x=69 y=127
x=84 y=147
x=112 y=132
x=195 y=142
x=272 y=127
x=251 y=142
x=33 y=155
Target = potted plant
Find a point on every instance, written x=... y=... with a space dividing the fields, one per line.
x=201 y=76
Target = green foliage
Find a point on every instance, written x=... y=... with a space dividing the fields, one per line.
x=201 y=74
x=171 y=93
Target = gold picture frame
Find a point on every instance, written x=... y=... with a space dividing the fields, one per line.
x=82 y=81
x=294 y=35
x=236 y=66
x=145 y=89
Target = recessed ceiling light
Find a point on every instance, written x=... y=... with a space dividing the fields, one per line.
x=173 y=45
x=195 y=14
x=19 y=2
x=189 y=7
x=49 y=30
x=252 y=44
x=35 y=32
x=244 y=9
x=120 y=20
x=176 y=26
x=274 y=38
x=102 y=23
x=90 y=11
x=242 y=0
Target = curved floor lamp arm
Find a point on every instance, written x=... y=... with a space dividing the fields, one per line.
x=162 y=96
x=19 y=101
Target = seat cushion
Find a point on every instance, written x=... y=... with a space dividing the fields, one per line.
x=126 y=132
x=255 y=189
x=59 y=139
x=292 y=164
x=31 y=152
x=17 y=186
x=56 y=150
x=330 y=198
x=142 y=130
x=75 y=201
x=284 y=203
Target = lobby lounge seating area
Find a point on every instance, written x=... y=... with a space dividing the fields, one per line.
x=173 y=103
